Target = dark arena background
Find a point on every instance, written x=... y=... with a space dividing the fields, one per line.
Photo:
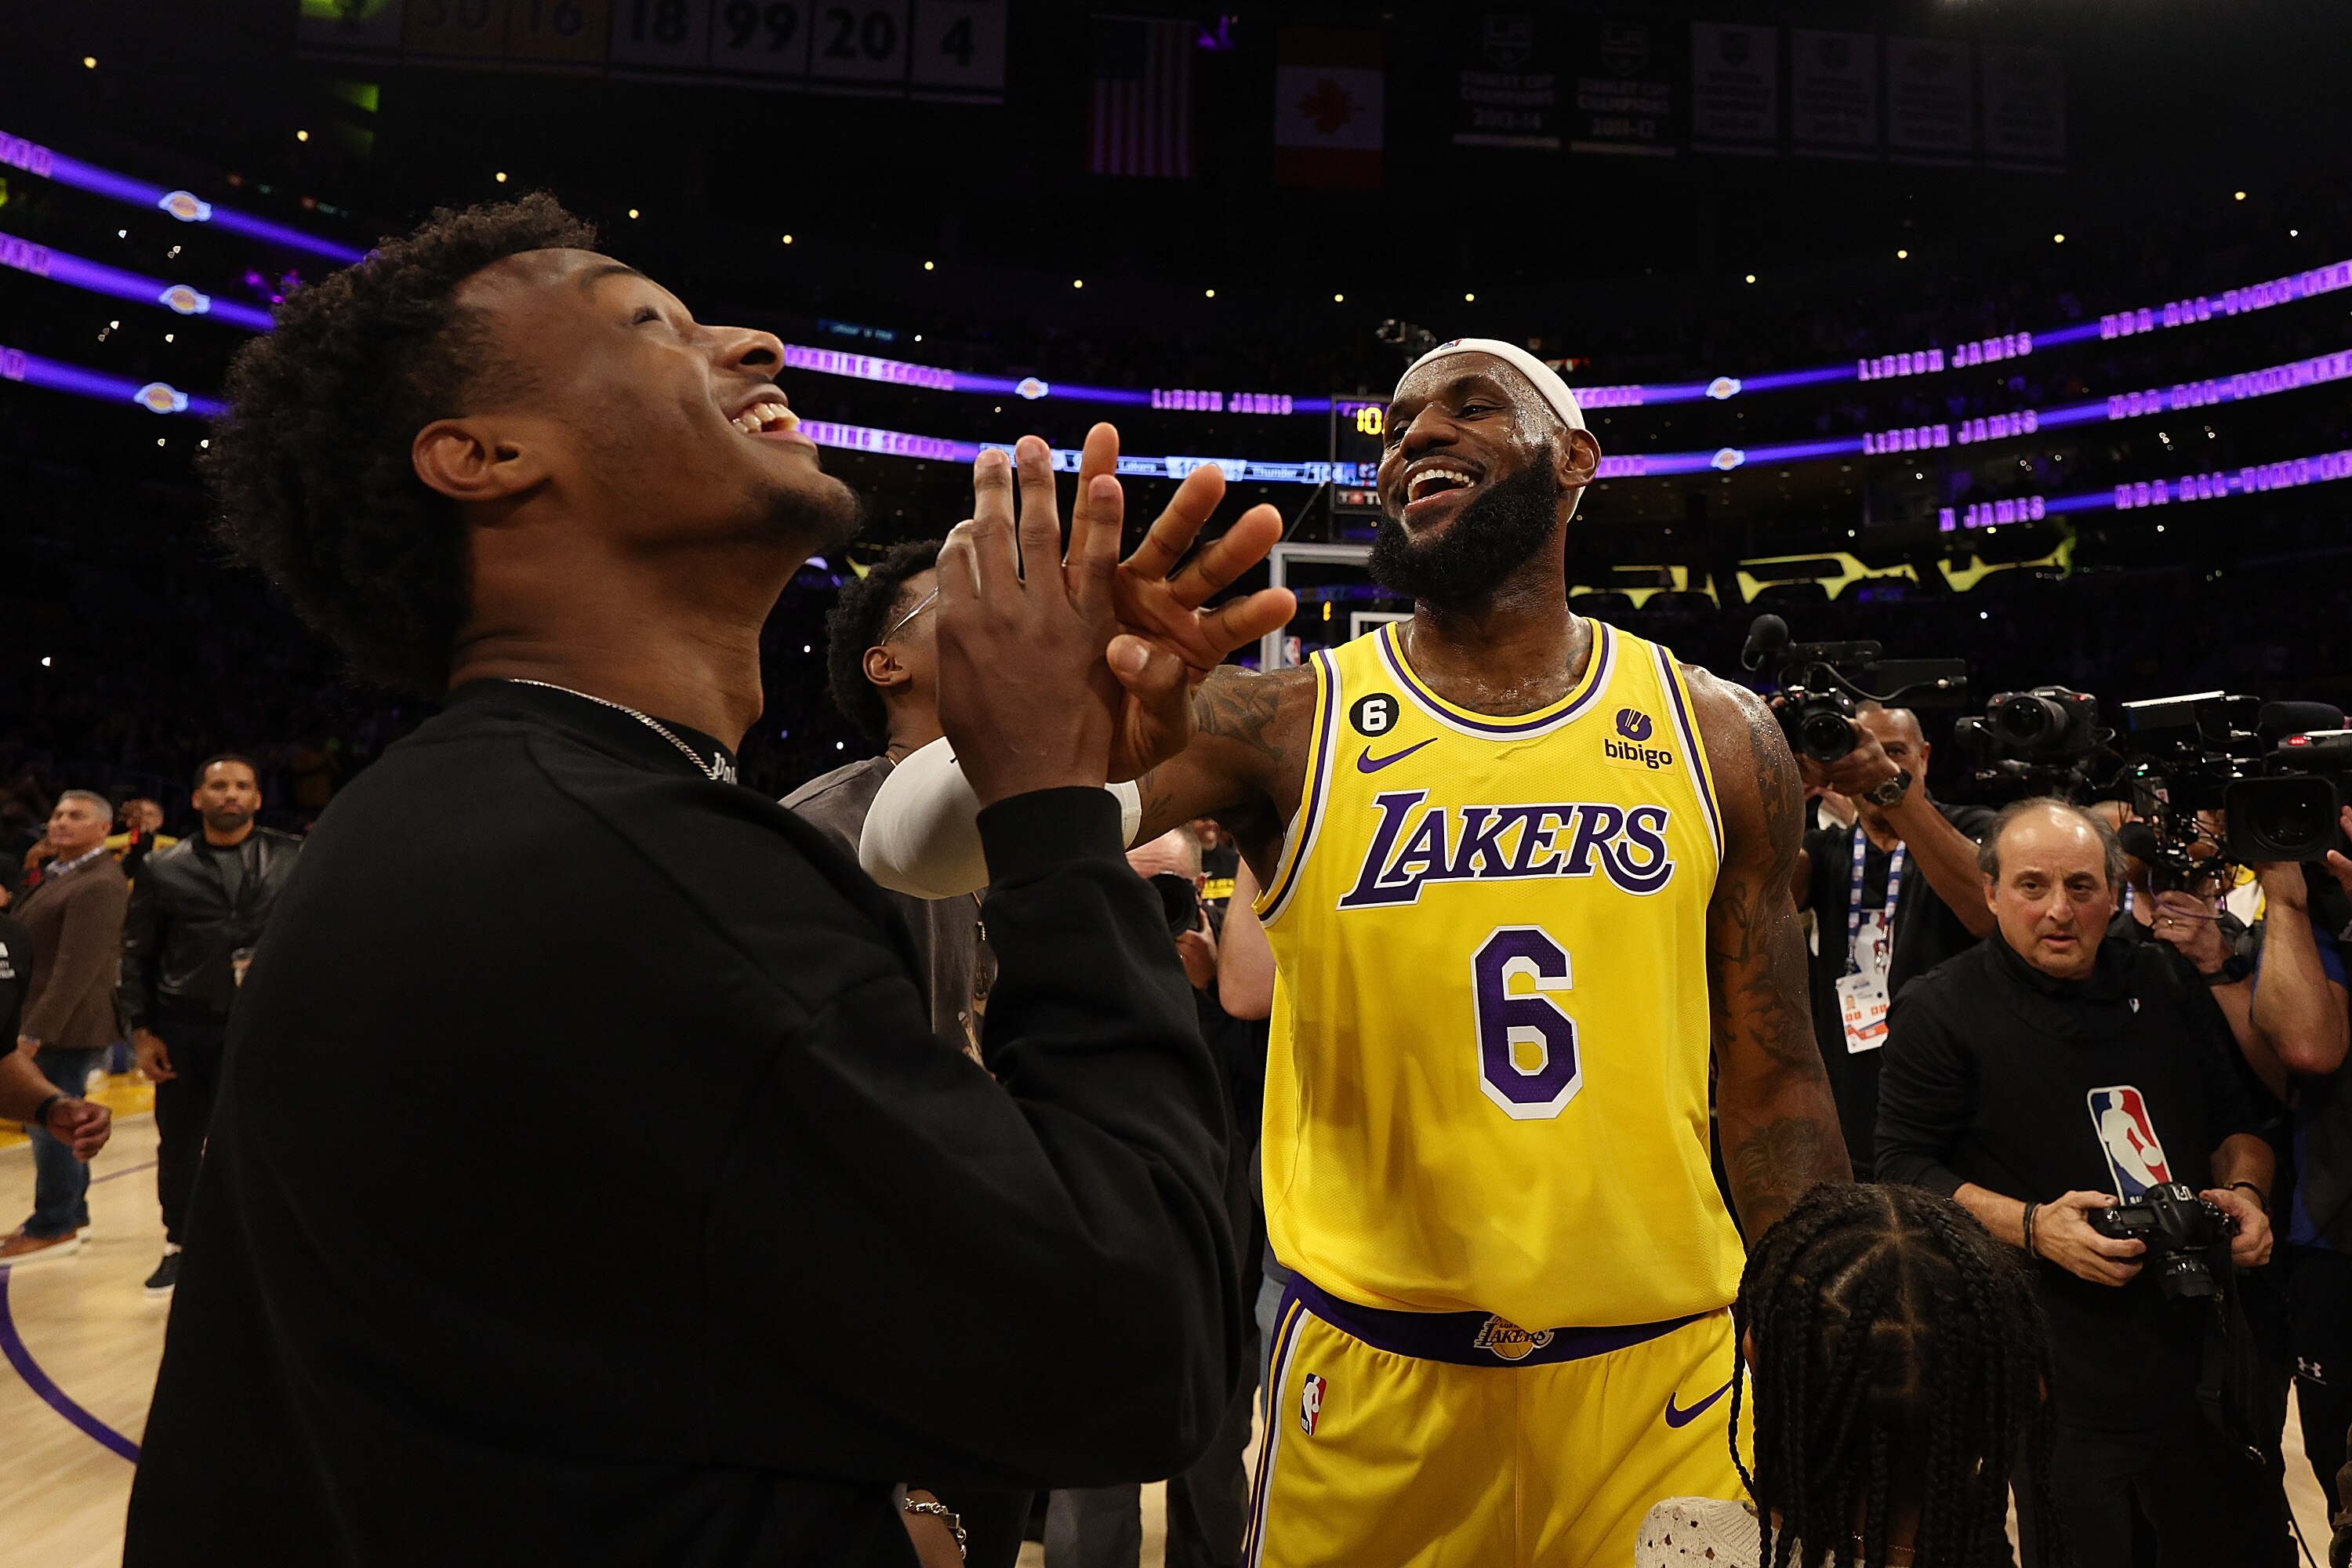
x=2012 y=333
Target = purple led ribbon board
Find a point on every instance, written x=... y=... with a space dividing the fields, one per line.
x=156 y=397
x=99 y=278
x=36 y=159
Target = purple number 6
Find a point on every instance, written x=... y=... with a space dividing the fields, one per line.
x=1511 y=1028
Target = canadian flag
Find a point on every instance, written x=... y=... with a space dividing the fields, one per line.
x=1327 y=107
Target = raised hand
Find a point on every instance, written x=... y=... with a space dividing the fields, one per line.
x=1167 y=643
x=1025 y=694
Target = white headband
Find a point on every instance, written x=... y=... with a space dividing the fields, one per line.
x=1539 y=375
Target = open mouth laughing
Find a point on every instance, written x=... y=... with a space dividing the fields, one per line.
x=767 y=417
x=1436 y=487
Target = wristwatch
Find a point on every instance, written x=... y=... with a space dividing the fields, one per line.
x=1889 y=792
x=2234 y=968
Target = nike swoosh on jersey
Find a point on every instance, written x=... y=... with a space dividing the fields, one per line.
x=1684 y=1417
x=1369 y=763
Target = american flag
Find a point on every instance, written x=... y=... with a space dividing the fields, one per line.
x=1143 y=97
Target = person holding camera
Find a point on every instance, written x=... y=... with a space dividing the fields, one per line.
x=2075 y=1094
x=1893 y=894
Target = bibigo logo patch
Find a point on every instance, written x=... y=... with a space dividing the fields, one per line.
x=1629 y=747
x=1508 y=1341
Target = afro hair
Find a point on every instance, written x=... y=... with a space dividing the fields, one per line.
x=855 y=623
x=312 y=465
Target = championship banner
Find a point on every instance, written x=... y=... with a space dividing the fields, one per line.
x=1734 y=89
x=1508 y=80
x=1833 y=94
x=2024 y=109
x=1327 y=107
x=1627 y=94
x=1930 y=104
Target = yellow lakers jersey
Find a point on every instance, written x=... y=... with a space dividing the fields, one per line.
x=1488 y=1086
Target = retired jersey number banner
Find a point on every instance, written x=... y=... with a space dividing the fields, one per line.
x=943 y=49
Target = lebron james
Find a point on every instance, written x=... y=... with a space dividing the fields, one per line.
x=1527 y=879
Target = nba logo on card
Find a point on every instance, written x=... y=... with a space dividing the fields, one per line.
x=1310 y=1404
x=2127 y=1137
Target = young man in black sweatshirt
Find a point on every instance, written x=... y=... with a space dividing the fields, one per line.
x=587 y=1185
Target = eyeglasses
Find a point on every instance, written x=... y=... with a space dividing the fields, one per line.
x=896 y=626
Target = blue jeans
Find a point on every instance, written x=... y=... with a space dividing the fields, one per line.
x=60 y=1182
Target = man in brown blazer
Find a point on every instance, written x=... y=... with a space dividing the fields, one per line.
x=75 y=916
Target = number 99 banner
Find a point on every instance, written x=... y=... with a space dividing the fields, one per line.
x=945 y=49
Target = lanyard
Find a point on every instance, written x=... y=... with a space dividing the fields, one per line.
x=1854 y=898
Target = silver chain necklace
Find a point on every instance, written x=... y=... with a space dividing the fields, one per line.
x=717 y=769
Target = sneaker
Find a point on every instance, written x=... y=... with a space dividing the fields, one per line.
x=20 y=1250
x=166 y=1275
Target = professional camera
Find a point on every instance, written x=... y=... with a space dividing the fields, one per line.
x=1407 y=338
x=2180 y=1228
x=2277 y=770
x=2037 y=741
x=1820 y=682
x=1179 y=902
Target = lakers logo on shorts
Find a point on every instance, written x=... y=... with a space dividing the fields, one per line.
x=1508 y=1341
x=1310 y=1404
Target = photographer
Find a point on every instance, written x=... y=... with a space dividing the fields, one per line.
x=2050 y=1075
x=1892 y=897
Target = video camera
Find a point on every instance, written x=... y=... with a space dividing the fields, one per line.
x=2033 y=743
x=2179 y=1229
x=2277 y=770
x=1821 y=680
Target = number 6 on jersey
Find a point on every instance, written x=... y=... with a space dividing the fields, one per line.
x=1527 y=1045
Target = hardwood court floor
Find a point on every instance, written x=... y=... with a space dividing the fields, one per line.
x=83 y=1326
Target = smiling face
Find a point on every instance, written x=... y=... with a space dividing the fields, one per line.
x=2051 y=896
x=666 y=431
x=1477 y=474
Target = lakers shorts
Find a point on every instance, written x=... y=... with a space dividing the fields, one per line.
x=1458 y=1440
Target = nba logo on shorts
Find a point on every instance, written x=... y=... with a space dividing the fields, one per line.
x=1310 y=1404
x=2127 y=1136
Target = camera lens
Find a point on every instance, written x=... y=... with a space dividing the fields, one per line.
x=2025 y=720
x=1825 y=735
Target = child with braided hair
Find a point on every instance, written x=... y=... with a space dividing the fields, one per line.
x=1900 y=1367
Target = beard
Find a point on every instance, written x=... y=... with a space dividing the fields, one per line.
x=1493 y=537
x=819 y=514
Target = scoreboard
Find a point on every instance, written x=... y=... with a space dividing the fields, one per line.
x=943 y=49
x=1358 y=427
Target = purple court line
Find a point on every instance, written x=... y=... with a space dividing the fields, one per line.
x=126 y=1171
x=13 y=1344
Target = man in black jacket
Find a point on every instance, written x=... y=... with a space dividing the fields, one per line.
x=587 y=1185
x=197 y=911
x=2046 y=1074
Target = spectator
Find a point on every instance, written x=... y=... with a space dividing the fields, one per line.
x=25 y=1095
x=140 y=821
x=193 y=920
x=1899 y=1363
x=2049 y=1074
x=75 y=920
x=1102 y=1527
x=1892 y=896
x=882 y=673
x=882 y=668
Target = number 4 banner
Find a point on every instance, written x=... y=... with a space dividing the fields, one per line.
x=959 y=50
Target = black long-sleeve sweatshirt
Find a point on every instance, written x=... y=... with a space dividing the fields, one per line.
x=2032 y=1087
x=587 y=1186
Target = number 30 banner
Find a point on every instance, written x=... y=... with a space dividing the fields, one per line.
x=946 y=50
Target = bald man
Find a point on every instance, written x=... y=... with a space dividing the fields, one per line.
x=1917 y=902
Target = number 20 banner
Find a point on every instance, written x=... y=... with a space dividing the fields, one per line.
x=947 y=49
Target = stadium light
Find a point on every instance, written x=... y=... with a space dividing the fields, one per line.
x=502 y=176
x=788 y=239
x=89 y=63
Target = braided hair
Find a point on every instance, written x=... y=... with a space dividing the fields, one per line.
x=1899 y=1355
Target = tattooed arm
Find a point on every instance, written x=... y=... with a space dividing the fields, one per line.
x=1773 y=1111
x=1245 y=763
